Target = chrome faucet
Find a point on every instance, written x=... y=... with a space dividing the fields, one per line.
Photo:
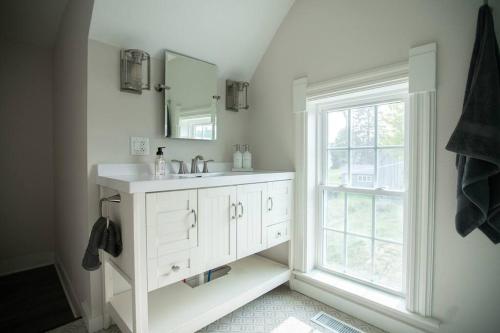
x=205 y=165
x=182 y=166
x=194 y=164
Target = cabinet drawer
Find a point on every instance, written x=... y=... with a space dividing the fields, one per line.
x=172 y=268
x=277 y=233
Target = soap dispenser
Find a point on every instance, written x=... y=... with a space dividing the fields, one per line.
x=160 y=163
x=237 y=158
x=247 y=158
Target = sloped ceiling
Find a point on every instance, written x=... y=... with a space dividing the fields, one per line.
x=31 y=22
x=233 y=34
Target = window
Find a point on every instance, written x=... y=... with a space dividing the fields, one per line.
x=196 y=127
x=362 y=187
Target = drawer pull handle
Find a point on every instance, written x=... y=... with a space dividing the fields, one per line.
x=272 y=203
x=242 y=210
x=195 y=218
x=278 y=235
x=175 y=268
x=234 y=214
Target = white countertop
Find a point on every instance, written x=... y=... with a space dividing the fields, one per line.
x=136 y=178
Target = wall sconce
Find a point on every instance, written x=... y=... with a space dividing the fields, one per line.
x=236 y=95
x=134 y=77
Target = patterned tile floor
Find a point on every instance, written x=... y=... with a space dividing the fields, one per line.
x=263 y=315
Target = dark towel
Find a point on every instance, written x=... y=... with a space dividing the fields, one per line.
x=101 y=237
x=476 y=139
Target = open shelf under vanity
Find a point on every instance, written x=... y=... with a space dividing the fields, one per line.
x=181 y=308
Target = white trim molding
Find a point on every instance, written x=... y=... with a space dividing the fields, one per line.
x=67 y=288
x=422 y=82
x=304 y=132
x=370 y=79
x=420 y=75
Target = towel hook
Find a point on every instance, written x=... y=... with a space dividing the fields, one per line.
x=114 y=198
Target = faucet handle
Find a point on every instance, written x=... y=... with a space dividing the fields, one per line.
x=182 y=166
x=205 y=165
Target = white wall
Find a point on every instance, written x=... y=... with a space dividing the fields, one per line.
x=113 y=116
x=325 y=39
x=70 y=145
x=27 y=209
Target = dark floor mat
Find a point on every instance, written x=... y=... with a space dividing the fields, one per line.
x=33 y=301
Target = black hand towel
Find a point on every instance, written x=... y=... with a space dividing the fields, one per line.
x=105 y=235
x=476 y=139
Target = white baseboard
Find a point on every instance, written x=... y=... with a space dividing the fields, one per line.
x=354 y=309
x=26 y=262
x=93 y=324
x=68 y=288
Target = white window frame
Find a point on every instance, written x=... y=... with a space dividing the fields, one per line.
x=386 y=94
x=416 y=310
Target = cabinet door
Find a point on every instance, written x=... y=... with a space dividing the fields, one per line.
x=279 y=202
x=171 y=222
x=217 y=214
x=173 y=247
x=249 y=226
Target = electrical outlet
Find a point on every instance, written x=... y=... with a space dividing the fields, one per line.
x=139 y=145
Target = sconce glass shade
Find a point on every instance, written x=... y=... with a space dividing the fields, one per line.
x=236 y=95
x=135 y=72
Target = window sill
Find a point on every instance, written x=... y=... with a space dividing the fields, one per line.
x=379 y=301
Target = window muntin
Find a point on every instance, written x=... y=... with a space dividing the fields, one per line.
x=363 y=191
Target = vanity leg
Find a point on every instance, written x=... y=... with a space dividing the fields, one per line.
x=140 y=282
x=107 y=279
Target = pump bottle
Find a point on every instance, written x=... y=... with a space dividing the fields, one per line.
x=160 y=163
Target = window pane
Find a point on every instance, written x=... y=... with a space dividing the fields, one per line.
x=388 y=265
x=363 y=127
x=363 y=168
x=391 y=168
x=334 y=245
x=337 y=173
x=359 y=216
x=359 y=262
x=390 y=123
x=335 y=210
x=337 y=129
x=389 y=218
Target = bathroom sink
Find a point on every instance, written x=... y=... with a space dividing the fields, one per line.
x=200 y=175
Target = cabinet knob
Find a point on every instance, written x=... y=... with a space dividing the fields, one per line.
x=175 y=268
x=278 y=235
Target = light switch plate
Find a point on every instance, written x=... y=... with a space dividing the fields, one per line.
x=139 y=145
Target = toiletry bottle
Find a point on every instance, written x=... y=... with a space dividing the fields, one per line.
x=160 y=163
x=237 y=158
x=247 y=158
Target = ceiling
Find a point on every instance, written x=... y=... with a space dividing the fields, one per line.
x=32 y=22
x=233 y=34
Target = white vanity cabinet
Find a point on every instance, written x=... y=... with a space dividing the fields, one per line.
x=250 y=219
x=279 y=202
x=173 y=246
x=175 y=228
x=217 y=207
x=192 y=231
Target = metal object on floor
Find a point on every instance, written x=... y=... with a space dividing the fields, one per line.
x=333 y=324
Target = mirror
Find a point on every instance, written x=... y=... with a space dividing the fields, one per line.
x=190 y=98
